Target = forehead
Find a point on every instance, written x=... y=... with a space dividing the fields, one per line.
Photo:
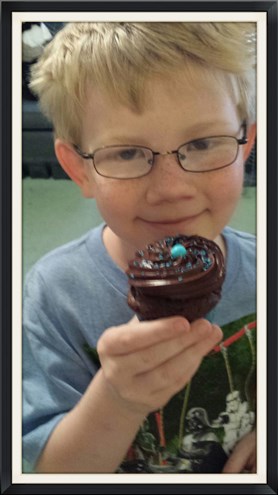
x=194 y=99
x=193 y=88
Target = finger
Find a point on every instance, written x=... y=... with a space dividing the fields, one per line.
x=235 y=464
x=152 y=357
x=252 y=464
x=211 y=336
x=176 y=372
x=134 y=336
x=243 y=457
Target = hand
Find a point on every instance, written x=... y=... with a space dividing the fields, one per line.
x=146 y=363
x=243 y=457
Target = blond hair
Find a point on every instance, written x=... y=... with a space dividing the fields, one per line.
x=119 y=57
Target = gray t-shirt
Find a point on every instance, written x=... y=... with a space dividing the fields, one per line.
x=70 y=297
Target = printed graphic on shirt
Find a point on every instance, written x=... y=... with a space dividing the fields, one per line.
x=200 y=426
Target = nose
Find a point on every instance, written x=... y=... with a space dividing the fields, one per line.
x=168 y=182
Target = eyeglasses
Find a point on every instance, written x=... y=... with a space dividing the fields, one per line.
x=197 y=156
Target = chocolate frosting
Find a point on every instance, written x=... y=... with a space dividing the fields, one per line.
x=159 y=276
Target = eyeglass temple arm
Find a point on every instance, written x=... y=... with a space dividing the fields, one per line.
x=87 y=156
x=244 y=139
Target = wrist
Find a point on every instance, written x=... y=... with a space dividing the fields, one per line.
x=120 y=407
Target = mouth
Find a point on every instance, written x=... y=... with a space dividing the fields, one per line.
x=172 y=224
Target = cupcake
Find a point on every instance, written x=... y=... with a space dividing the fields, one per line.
x=180 y=275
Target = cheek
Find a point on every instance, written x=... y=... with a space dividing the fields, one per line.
x=228 y=187
x=114 y=200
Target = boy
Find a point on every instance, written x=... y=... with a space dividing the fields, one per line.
x=145 y=402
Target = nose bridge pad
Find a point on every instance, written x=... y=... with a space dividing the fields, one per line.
x=174 y=153
x=168 y=153
x=164 y=154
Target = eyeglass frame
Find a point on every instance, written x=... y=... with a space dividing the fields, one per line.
x=90 y=156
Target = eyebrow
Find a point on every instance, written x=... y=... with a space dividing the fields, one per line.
x=203 y=126
x=200 y=127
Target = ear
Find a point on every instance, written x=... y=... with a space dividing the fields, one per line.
x=75 y=167
x=251 y=136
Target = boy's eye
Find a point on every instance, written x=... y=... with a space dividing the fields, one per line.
x=200 y=145
x=121 y=154
x=129 y=153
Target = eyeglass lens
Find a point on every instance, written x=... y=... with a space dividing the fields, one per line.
x=123 y=162
x=207 y=154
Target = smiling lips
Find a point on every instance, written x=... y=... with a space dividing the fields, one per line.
x=164 y=223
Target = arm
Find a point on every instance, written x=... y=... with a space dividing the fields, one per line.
x=85 y=440
x=243 y=457
x=143 y=366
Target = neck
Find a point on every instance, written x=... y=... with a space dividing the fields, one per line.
x=220 y=241
x=119 y=251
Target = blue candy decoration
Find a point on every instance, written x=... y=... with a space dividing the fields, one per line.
x=207 y=263
x=178 y=251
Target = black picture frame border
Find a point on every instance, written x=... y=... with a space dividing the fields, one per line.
x=7 y=7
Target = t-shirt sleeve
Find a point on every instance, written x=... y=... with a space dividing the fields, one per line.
x=56 y=369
